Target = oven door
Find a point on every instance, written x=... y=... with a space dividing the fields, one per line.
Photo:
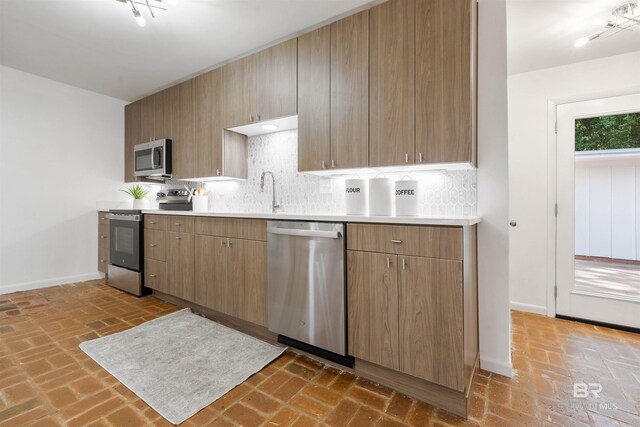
x=125 y=243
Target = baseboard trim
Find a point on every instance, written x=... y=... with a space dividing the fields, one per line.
x=38 y=284
x=529 y=308
x=496 y=366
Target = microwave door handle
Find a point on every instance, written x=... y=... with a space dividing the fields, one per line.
x=153 y=166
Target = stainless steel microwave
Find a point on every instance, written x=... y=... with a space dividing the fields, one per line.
x=153 y=159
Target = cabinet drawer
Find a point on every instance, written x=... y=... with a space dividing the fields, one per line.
x=250 y=229
x=103 y=217
x=155 y=222
x=103 y=236
x=155 y=275
x=180 y=224
x=155 y=246
x=424 y=241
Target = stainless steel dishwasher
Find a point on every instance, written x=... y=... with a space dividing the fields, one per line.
x=306 y=286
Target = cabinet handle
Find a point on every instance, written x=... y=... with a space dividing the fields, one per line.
x=396 y=241
x=406 y=157
x=258 y=117
x=153 y=245
x=221 y=243
x=420 y=157
x=251 y=118
x=179 y=224
x=102 y=260
x=152 y=275
x=323 y=165
x=228 y=243
x=404 y=264
x=152 y=222
x=388 y=262
x=333 y=163
x=103 y=237
x=179 y=238
x=218 y=172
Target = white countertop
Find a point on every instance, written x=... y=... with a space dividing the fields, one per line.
x=460 y=221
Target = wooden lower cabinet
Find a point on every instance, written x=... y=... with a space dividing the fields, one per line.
x=372 y=292
x=181 y=248
x=431 y=320
x=231 y=277
x=155 y=275
x=413 y=314
x=103 y=242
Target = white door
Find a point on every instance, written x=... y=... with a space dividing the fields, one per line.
x=620 y=213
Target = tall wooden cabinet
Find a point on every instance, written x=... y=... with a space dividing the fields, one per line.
x=392 y=84
x=350 y=91
x=183 y=129
x=412 y=300
x=314 y=100
x=445 y=75
x=131 y=138
x=209 y=128
x=103 y=241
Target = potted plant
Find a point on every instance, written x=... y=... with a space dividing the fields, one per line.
x=138 y=193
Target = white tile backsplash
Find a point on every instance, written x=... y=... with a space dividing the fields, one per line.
x=450 y=194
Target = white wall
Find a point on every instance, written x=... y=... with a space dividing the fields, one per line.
x=60 y=151
x=607 y=201
x=531 y=199
x=493 y=189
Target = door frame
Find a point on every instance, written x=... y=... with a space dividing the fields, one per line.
x=552 y=196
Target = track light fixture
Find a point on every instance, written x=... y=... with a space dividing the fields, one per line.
x=625 y=18
x=148 y=4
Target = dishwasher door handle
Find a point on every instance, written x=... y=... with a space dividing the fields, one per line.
x=305 y=233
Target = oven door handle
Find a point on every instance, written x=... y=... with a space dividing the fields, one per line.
x=134 y=218
x=305 y=233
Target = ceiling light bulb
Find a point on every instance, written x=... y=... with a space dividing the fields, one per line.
x=581 y=42
x=269 y=127
x=600 y=22
x=139 y=18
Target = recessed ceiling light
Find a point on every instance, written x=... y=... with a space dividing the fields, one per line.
x=269 y=127
x=139 y=18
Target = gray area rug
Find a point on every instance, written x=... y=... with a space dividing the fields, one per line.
x=181 y=362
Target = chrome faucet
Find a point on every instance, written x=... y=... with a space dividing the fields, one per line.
x=274 y=204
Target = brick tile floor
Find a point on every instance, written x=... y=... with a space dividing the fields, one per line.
x=46 y=380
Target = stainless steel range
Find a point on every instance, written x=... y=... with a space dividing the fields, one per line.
x=175 y=199
x=125 y=269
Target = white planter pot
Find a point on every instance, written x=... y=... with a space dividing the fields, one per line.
x=139 y=204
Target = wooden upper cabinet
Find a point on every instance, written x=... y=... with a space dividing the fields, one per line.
x=209 y=127
x=147 y=119
x=444 y=96
x=162 y=115
x=372 y=301
x=392 y=83
x=431 y=320
x=277 y=81
x=314 y=100
x=240 y=91
x=132 y=137
x=350 y=91
x=262 y=86
x=183 y=130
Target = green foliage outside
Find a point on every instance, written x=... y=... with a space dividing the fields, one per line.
x=608 y=132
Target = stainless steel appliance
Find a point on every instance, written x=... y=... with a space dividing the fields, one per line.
x=175 y=199
x=125 y=270
x=153 y=159
x=306 y=286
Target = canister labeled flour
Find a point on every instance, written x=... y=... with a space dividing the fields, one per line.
x=406 y=197
x=356 y=196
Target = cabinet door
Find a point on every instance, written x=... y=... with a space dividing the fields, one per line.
x=212 y=288
x=132 y=136
x=182 y=127
x=372 y=295
x=392 y=83
x=147 y=117
x=181 y=265
x=431 y=320
x=350 y=91
x=314 y=100
x=155 y=275
x=162 y=115
x=277 y=81
x=209 y=116
x=155 y=244
x=250 y=257
x=443 y=70
x=240 y=91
